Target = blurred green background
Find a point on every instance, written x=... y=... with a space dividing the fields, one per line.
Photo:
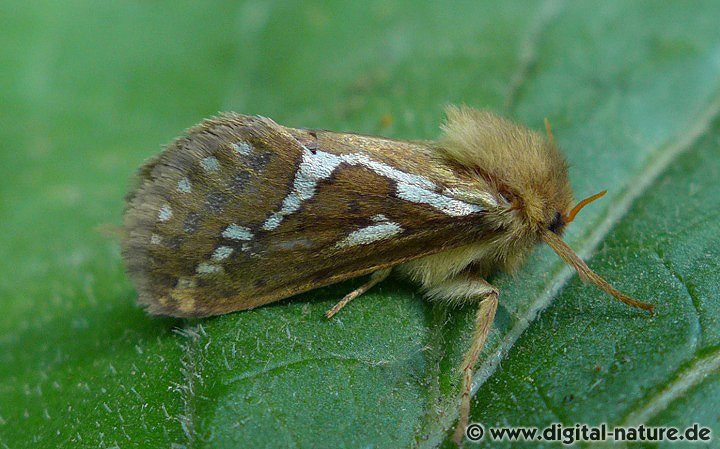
x=88 y=90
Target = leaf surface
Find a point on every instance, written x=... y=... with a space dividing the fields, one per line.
x=631 y=90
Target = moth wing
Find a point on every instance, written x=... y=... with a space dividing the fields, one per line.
x=241 y=212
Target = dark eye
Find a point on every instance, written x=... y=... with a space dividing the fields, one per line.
x=557 y=224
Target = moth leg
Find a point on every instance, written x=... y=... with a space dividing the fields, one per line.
x=375 y=278
x=465 y=290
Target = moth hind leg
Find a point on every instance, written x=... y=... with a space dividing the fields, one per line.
x=464 y=290
x=375 y=278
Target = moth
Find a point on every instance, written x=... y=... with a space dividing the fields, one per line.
x=241 y=212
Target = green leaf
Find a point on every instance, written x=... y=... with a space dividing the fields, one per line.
x=91 y=89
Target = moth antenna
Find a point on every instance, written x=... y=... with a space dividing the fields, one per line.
x=571 y=216
x=549 y=132
x=586 y=274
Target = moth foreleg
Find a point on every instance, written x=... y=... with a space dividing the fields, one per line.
x=375 y=278
x=463 y=290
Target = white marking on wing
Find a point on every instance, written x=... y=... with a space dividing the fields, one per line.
x=313 y=168
x=235 y=232
x=243 y=148
x=320 y=165
x=165 y=213
x=222 y=253
x=387 y=170
x=445 y=204
x=210 y=163
x=369 y=234
x=208 y=268
x=183 y=186
x=473 y=196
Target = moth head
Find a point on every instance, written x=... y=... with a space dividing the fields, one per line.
x=523 y=168
x=526 y=170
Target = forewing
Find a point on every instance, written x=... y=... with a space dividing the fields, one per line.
x=241 y=212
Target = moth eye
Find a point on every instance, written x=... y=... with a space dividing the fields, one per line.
x=557 y=224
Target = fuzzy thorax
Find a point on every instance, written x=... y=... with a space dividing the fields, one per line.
x=520 y=164
x=520 y=167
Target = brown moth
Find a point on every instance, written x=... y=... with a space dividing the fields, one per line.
x=241 y=212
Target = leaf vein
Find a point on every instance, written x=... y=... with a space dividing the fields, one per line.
x=699 y=331
x=685 y=379
x=528 y=57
